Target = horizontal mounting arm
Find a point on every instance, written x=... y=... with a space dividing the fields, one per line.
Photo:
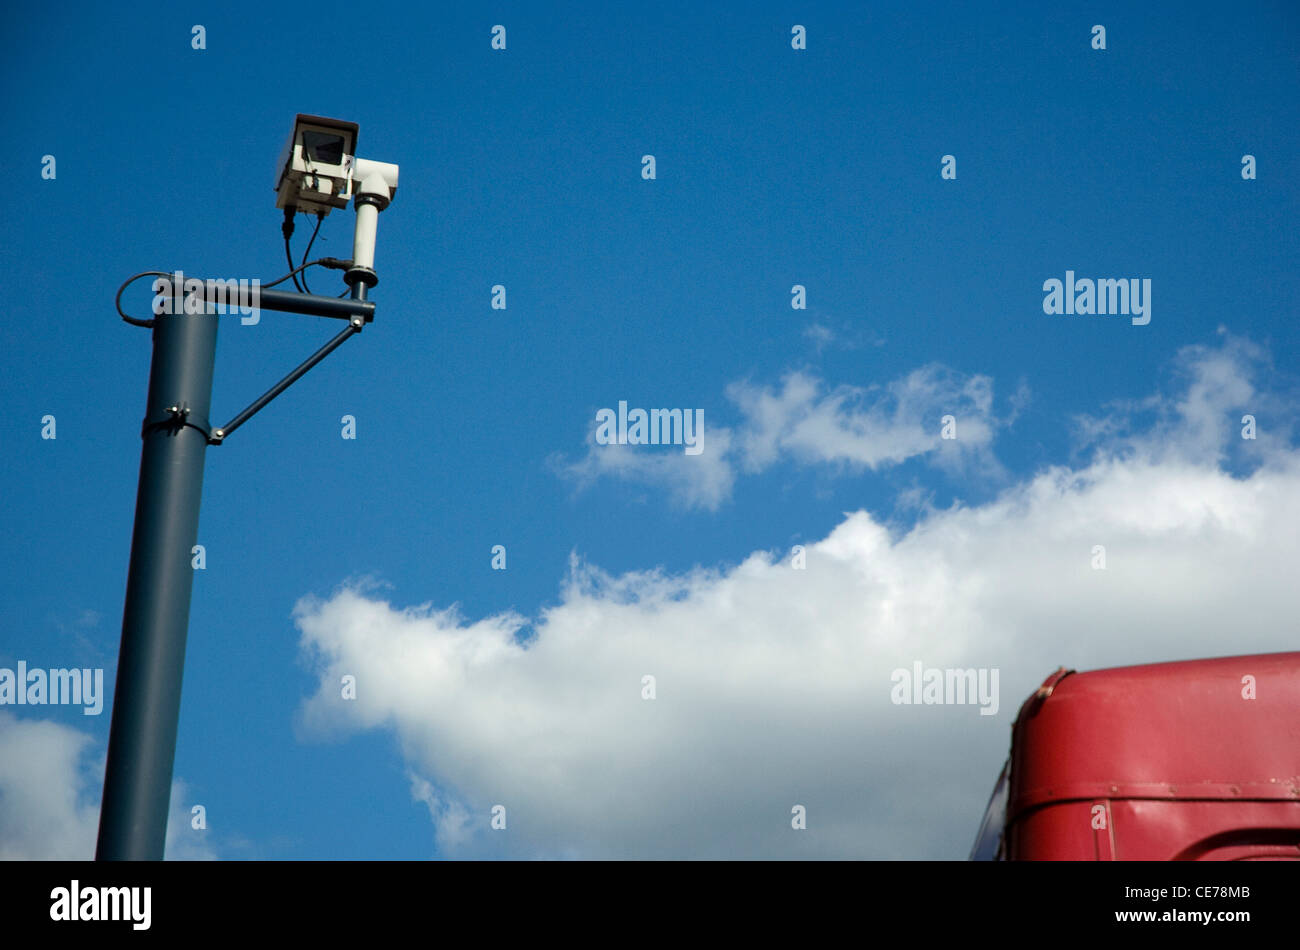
x=286 y=301
x=341 y=308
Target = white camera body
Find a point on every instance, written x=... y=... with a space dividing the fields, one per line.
x=317 y=166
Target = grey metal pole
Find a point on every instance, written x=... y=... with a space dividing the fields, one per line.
x=155 y=620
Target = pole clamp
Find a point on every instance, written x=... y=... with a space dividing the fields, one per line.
x=174 y=418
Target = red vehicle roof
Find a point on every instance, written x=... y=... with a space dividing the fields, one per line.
x=1122 y=740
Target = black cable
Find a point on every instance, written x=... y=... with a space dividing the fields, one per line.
x=286 y=228
x=320 y=216
x=136 y=321
x=288 y=256
x=333 y=263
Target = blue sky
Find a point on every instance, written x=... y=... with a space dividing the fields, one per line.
x=774 y=167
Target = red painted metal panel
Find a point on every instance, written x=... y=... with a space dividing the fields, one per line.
x=1171 y=761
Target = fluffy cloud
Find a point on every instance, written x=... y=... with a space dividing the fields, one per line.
x=47 y=810
x=864 y=428
x=773 y=684
x=804 y=422
x=692 y=481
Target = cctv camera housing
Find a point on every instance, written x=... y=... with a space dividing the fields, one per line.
x=316 y=167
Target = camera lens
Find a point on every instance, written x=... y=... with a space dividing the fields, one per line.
x=323 y=147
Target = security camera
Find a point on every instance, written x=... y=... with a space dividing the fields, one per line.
x=317 y=165
x=319 y=170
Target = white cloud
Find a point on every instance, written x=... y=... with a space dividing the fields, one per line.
x=692 y=481
x=773 y=684
x=851 y=427
x=47 y=811
x=1203 y=419
x=841 y=334
x=863 y=428
x=50 y=786
x=184 y=842
x=821 y=336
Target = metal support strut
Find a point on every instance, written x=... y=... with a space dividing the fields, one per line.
x=219 y=434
